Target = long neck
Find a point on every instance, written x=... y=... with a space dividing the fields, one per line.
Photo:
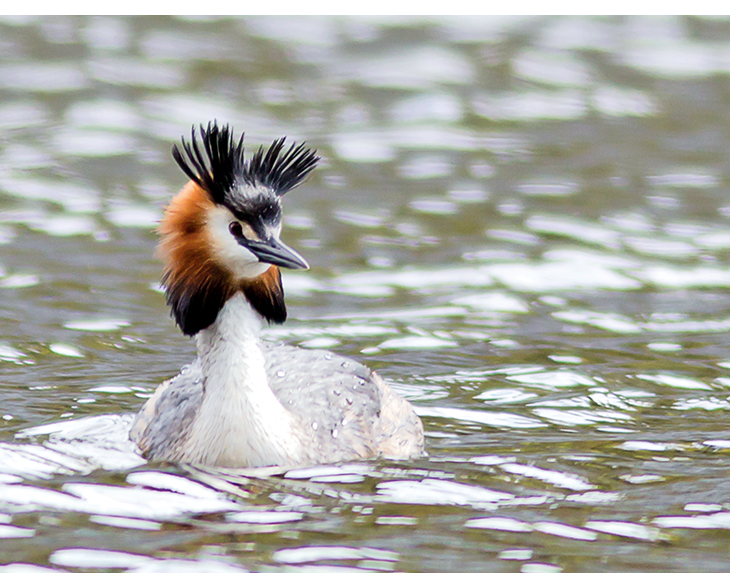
x=240 y=421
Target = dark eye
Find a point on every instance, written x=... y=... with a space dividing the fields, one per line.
x=236 y=230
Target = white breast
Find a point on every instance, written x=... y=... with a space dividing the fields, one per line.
x=240 y=421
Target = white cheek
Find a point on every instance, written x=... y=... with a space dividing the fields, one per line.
x=239 y=260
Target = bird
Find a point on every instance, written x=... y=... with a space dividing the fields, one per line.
x=245 y=402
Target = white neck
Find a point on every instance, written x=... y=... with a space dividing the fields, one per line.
x=240 y=422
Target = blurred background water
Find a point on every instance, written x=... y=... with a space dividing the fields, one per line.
x=522 y=223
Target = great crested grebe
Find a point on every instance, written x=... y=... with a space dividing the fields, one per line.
x=245 y=402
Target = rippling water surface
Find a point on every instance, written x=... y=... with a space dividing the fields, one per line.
x=522 y=223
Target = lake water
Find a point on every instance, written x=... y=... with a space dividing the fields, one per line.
x=521 y=223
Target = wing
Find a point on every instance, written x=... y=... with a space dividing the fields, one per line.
x=348 y=411
x=162 y=426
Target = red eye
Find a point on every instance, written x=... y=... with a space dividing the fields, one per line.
x=236 y=230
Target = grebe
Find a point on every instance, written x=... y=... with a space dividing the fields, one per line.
x=245 y=402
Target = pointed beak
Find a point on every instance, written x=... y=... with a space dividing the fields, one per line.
x=275 y=252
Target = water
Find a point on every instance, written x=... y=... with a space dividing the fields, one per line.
x=522 y=223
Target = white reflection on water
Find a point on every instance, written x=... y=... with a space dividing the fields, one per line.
x=486 y=417
x=580 y=230
x=427 y=166
x=398 y=520
x=178 y=484
x=71 y=196
x=625 y=529
x=417 y=342
x=616 y=101
x=420 y=278
x=720 y=520
x=515 y=554
x=97 y=325
x=674 y=381
x=648 y=446
x=560 y=479
x=96 y=143
x=133 y=71
x=12 y=532
x=264 y=517
x=360 y=219
x=434 y=206
x=499 y=524
x=671 y=248
x=330 y=470
x=188 y=566
x=567 y=531
x=428 y=108
x=531 y=106
x=555 y=68
x=710 y=403
x=493 y=302
x=98 y=441
x=580 y=417
x=560 y=276
x=106 y=559
x=676 y=59
x=701 y=507
x=133 y=216
x=103 y=114
x=144 y=504
x=125 y=522
x=516 y=526
x=321 y=343
x=65 y=225
x=412 y=69
x=321 y=553
x=540 y=568
x=93 y=558
x=678 y=277
x=505 y=396
x=548 y=186
x=27 y=113
x=439 y=492
x=363 y=147
x=8 y=353
x=51 y=77
x=552 y=380
x=21 y=568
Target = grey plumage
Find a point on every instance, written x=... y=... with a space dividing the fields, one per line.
x=344 y=410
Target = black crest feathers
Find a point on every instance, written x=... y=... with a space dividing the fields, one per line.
x=281 y=171
x=220 y=165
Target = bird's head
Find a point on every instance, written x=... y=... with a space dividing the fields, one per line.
x=220 y=234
